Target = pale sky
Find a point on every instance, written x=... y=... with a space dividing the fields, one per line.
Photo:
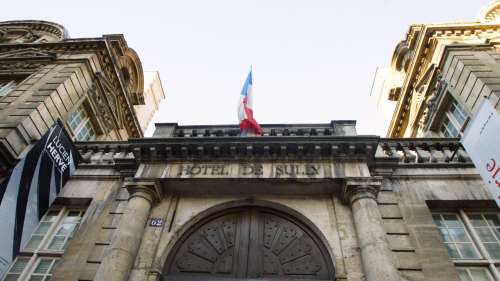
x=313 y=60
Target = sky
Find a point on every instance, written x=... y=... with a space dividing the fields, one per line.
x=313 y=60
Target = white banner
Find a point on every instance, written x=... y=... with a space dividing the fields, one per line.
x=482 y=142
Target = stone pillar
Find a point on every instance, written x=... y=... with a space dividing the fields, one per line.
x=117 y=263
x=377 y=258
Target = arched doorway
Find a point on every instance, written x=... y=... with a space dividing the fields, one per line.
x=249 y=243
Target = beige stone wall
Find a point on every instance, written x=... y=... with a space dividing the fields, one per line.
x=102 y=216
x=153 y=95
x=51 y=93
x=473 y=74
x=326 y=213
x=413 y=237
x=403 y=202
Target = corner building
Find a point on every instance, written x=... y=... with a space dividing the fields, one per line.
x=300 y=202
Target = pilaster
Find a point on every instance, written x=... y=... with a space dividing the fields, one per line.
x=117 y=263
x=376 y=256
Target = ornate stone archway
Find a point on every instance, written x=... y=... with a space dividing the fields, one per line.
x=249 y=243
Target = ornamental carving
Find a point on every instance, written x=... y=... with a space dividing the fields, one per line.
x=101 y=106
x=250 y=243
x=25 y=32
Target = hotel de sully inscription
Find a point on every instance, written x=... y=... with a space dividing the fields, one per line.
x=269 y=170
x=249 y=169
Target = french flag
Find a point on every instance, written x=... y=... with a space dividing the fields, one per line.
x=248 y=125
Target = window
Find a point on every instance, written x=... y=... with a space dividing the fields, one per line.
x=6 y=87
x=81 y=126
x=453 y=120
x=473 y=243
x=474 y=274
x=47 y=243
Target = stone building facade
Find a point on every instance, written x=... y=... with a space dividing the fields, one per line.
x=94 y=85
x=301 y=202
x=439 y=75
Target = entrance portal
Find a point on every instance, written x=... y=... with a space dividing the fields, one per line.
x=249 y=243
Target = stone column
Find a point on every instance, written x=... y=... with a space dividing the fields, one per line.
x=117 y=263
x=377 y=258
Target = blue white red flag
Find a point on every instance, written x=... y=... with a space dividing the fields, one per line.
x=248 y=124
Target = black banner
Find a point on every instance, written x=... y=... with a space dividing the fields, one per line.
x=31 y=188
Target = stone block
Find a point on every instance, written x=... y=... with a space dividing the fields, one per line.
x=122 y=195
x=390 y=211
x=88 y=272
x=400 y=242
x=412 y=275
x=97 y=253
x=407 y=260
x=112 y=221
x=427 y=237
x=387 y=197
x=105 y=236
x=394 y=226
x=417 y=214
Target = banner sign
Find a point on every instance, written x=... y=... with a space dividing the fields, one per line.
x=31 y=188
x=481 y=140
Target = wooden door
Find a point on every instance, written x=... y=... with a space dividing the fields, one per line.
x=249 y=243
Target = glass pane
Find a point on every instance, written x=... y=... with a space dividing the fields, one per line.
x=53 y=266
x=445 y=234
x=57 y=243
x=42 y=228
x=36 y=278
x=74 y=213
x=19 y=265
x=467 y=251
x=66 y=229
x=479 y=274
x=43 y=266
x=451 y=221
x=463 y=275
x=452 y=251
x=492 y=220
x=477 y=220
x=34 y=242
x=493 y=249
x=12 y=277
x=485 y=234
x=437 y=220
x=458 y=234
x=51 y=215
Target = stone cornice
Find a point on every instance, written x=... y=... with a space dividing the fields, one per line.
x=103 y=48
x=420 y=48
x=379 y=154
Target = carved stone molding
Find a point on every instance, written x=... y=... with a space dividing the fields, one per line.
x=355 y=189
x=148 y=190
x=31 y=31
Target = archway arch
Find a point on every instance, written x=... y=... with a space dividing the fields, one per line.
x=250 y=241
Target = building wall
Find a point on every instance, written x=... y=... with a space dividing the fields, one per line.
x=473 y=74
x=412 y=189
x=153 y=95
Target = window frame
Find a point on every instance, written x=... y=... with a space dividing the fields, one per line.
x=485 y=261
x=7 y=87
x=42 y=250
x=85 y=122
x=450 y=117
